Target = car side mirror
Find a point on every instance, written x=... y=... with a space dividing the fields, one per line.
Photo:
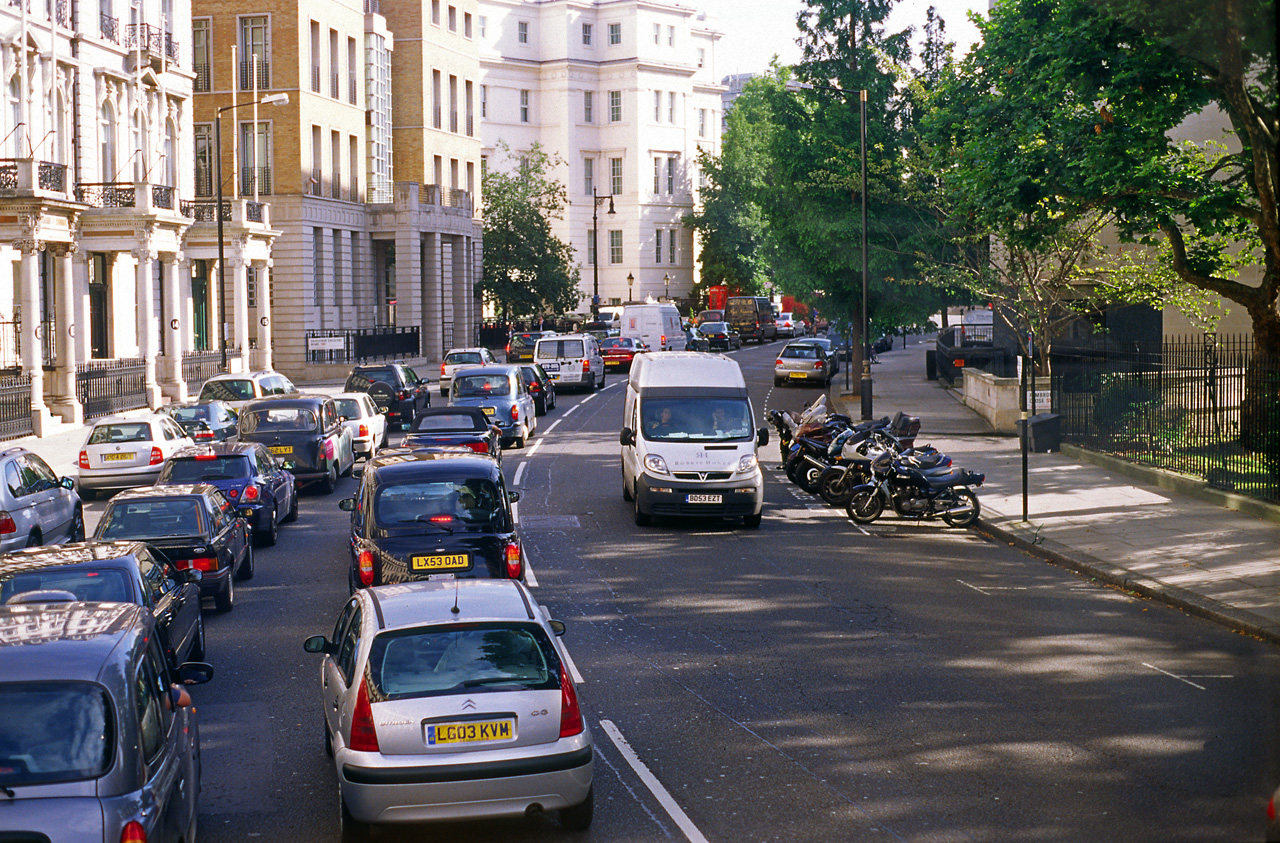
x=556 y=626
x=318 y=644
x=67 y=482
x=188 y=575
x=762 y=436
x=626 y=436
x=195 y=673
x=244 y=512
x=347 y=504
x=513 y=496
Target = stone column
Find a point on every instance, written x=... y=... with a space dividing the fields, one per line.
x=263 y=358
x=67 y=403
x=147 y=339
x=240 y=308
x=32 y=331
x=175 y=329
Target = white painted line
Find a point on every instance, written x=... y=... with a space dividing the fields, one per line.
x=552 y=427
x=573 y=668
x=974 y=587
x=515 y=481
x=655 y=787
x=534 y=448
x=1175 y=676
x=588 y=398
x=515 y=513
x=570 y=410
x=529 y=578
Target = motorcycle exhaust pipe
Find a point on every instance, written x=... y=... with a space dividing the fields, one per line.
x=965 y=509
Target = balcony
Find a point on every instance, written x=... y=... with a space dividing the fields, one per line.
x=335 y=86
x=316 y=185
x=152 y=41
x=251 y=176
x=146 y=198
x=27 y=177
x=203 y=81
x=109 y=27
x=351 y=90
x=434 y=194
x=264 y=75
x=238 y=212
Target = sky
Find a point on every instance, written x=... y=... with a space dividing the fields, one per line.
x=756 y=30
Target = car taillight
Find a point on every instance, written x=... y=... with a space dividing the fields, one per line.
x=200 y=563
x=251 y=493
x=535 y=387
x=364 y=737
x=586 y=366
x=133 y=832
x=1271 y=808
x=157 y=456
x=441 y=370
x=479 y=447
x=364 y=567
x=515 y=412
x=515 y=566
x=7 y=524
x=84 y=459
x=232 y=493
x=778 y=362
x=364 y=430
x=817 y=364
x=402 y=394
x=570 y=713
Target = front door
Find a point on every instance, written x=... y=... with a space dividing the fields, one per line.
x=200 y=303
x=99 y=306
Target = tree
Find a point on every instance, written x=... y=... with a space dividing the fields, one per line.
x=527 y=270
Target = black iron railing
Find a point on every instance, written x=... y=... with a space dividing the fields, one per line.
x=361 y=344
x=203 y=81
x=15 y=406
x=107 y=195
x=52 y=176
x=264 y=75
x=254 y=211
x=109 y=27
x=199 y=366
x=111 y=386
x=203 y=211
x=162 y=196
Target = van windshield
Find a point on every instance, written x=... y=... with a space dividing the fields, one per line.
x=695 y=419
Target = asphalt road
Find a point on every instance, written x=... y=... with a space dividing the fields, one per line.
x=809 y=680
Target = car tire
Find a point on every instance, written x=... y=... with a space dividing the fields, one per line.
x=77 y=526
x=353 y=831
x=578 y=818
x=328 y=738
x=330 y=481
x=245 y=571
x=225 y=600
x=292 y=514
x=540 y=407
x=198 y=649
x=269 y=536
x=752 y=522
x=778 y=382
x=519 y=441
x=643 y=519
x=553 y=400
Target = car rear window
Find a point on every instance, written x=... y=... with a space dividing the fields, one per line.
x=348 y=407
x=379 y=375
x=471 y=659
x=54 y=732
x=442 y=502
x=618 y=342
x=481 y=386
x=228 y=390
x=714 y=328
x=201 y=469
x=278 y=420
x=463 y=357
x=105 y=434
x=558 y=349
x=191 y=414
x=449 y=422
x=802 y=352
x=151 y=519
x=108 y=586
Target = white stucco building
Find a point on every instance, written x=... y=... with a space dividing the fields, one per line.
x=625 y=91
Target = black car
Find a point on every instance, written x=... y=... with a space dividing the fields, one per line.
x=694 y=340
x=541 y=387
x=520 y=346
x=305 y=433
x=468 y=427
x=207 y=421
x=720 y=335
x=423 y=514
x=193 y=525
x=394 y=387
x=116 y=572
x=247 y=475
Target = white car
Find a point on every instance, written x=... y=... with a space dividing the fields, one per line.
x=367 y=424
x=788 y=325
x=238 y=390
x=126 y=451
x=457 y=358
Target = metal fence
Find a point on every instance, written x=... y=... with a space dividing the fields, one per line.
x=1206 y=406
x=352 y=345
x=15 y=406
x=199 y=366
x=111 y=386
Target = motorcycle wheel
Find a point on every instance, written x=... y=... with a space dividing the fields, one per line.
x=865 y=506
x=964 y=497
x=836 y=486
x=808 y=477
x=792 y=469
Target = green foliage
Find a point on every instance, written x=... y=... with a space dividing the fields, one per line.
x=527 y=270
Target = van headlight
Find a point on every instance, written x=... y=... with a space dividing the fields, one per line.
x=656 y=464
x=747 y=463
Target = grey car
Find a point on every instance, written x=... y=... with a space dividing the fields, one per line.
x=36 y=505
x=448 y=700
x=98 y=739
x=502 y=395
x=802 y=362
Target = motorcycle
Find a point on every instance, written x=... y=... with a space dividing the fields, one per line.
x=853 y=468
x=915 y=493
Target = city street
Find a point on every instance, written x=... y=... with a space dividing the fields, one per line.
x=808 y=680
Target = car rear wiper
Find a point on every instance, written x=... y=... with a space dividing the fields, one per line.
x=445 y=527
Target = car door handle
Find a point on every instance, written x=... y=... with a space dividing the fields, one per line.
x=335 y=703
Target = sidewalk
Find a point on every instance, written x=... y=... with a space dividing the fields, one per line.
x=1201 y=557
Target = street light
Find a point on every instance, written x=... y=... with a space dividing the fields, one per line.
x=631 y=279
x=270 y=99
x=666 y=286
x=595 y=251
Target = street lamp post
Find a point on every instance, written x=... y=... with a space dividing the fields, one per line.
x=631 y=279
x=666 y=286
x=866 y=323
x=595 y=251
x=272 y=99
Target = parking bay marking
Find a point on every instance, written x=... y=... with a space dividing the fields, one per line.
x=1187 y=679
x=673 y=810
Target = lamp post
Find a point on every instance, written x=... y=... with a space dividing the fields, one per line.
x=631 y=279
x=666 y=286
x=271 y=99
x=595 y=251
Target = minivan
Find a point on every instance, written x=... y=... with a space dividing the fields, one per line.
x=752 y=317
x=689 y=439
x=571 y=360
x=655 y=324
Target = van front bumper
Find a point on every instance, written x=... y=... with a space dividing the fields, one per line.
x=711 y=499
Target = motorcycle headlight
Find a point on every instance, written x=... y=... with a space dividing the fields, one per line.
x=747 y=463
x=656 y=464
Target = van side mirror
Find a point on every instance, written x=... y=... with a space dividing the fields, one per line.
x=762 y=436
x=627 y=436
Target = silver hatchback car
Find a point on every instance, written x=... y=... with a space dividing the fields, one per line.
x=449 y=700
x=36 y=505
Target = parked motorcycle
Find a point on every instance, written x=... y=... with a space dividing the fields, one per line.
x=916 y=493
x=837 y=482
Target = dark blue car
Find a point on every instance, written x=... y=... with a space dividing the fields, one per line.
x=248 y=476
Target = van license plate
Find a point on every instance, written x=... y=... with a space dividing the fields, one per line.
x=551 y=367
x=703 y=498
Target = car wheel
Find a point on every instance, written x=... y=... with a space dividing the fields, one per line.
x=272 y=533
x=553 y=399
x=353 y=831
x=77 y=526
x=197 y=649
x=540 y=407
x=292 y=514
x=643 y=519
x=34 y=539
x=225 y=600
x=752 y=522
x=245 y=571
x=578 y=818
x=330 y=481
x=519 y=441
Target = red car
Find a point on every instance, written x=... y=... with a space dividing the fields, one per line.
x=618 y=352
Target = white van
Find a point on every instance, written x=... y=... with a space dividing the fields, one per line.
x=655 y=324
x=689 y=439
x=571 y=360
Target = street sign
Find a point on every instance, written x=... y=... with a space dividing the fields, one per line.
x=326 y=343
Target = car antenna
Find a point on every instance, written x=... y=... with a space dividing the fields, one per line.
x=455 y=608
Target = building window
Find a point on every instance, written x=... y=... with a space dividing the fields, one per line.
x=586 y=34
x=317 y=270
x=588 y=107
x=200 y=54
x=615 y=106
x=522 y=31
x=466 y=24
x=435 y=12
x=524 y=106
x=657 y=106
x=255 y=50
x=702 y=56
x=671 y=107
x=615 y=34
x=484 y=100
x=657 y=33
x=484 y=25
x=615 y=246
x=588 y=176
x=671 y=251
x=671 y=36
x=671 y=175
x=615 y=176
x=204 y=159
x=657 y=255
x=657 y=175
x=453 y=19
x=702 y=122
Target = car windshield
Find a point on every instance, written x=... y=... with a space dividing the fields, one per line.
x=54 y=732
x=700 y=419
x=278 y=420
x=463 y=358
x=451 y=422
x=348 y=407
x=106 y=434
x=441 y=502
x=481 y=386
x=150 y=519
x=228 y=390
x=102 y=586
x=448 y=660
x=202 y=469
x=556 y=349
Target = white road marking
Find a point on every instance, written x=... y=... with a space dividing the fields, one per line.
x=651 y=781
x=515 y=481
x=552 y=427
x=534 y=449
x=1185 y=679
x=570 y=410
